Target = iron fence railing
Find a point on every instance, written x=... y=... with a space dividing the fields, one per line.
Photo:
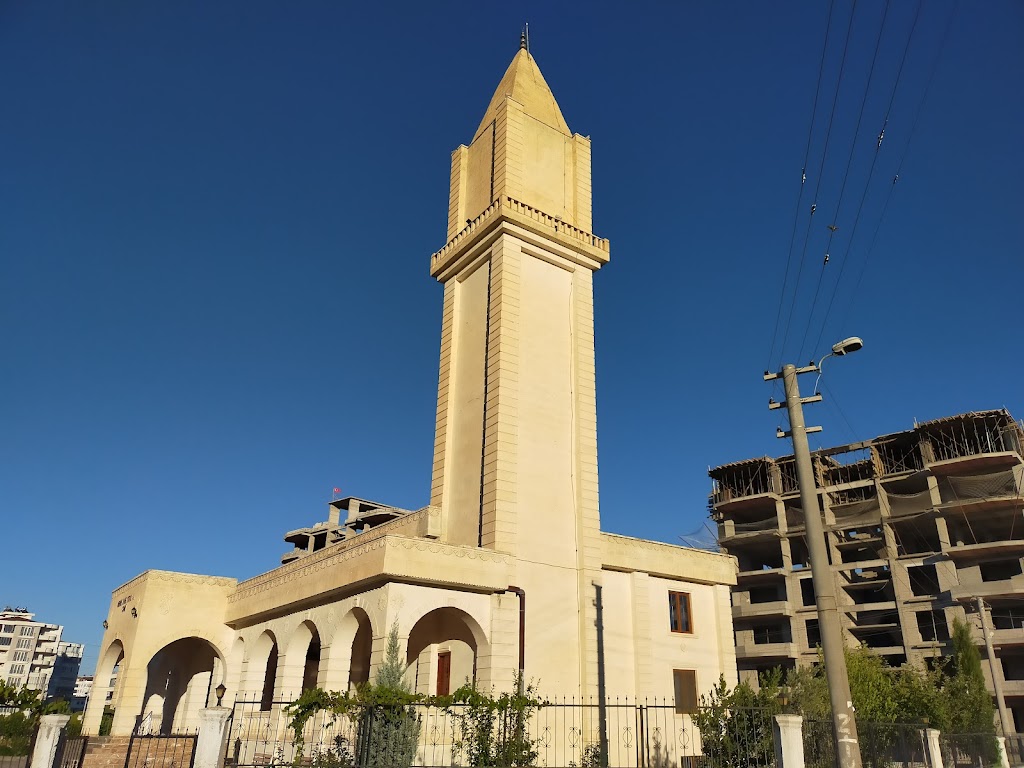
x=970 y=750
x=177 y=750
x=620 y=734
x=882 y=745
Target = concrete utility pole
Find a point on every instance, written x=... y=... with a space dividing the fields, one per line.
x=997 y=677
x=844 y=725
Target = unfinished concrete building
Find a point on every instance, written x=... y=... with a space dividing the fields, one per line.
x=918 y=524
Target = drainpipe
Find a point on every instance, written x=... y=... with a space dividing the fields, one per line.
x=602 y=693
x=522 y=633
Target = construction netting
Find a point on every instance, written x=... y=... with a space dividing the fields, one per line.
x=974 y=487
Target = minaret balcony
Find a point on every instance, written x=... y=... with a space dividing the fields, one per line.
x=509 y=209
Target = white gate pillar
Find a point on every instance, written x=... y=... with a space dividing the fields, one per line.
x=50 y=727
x=934 y=749
x=789 y=741
x=213 y=734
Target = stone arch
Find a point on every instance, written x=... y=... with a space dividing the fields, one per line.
x=109 y=661
x=180 y=679
x=346 y=653
x=234 y=674
x=260 y=677
x=300 y=665
x=444 y=645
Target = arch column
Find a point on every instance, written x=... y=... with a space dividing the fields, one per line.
x=100 y=688
x=128 y=701
x=335 y=665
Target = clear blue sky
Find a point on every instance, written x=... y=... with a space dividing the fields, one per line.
x=217 y=219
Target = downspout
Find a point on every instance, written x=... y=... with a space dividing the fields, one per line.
x=522 y=633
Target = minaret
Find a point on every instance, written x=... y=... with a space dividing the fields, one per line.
x=515 y=453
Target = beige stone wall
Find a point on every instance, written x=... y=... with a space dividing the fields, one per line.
x=641 y=650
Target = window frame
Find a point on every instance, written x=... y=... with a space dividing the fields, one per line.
x=676 y=604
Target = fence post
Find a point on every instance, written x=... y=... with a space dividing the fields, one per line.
x=213 y=731
x=50 y=728
x=934 y=749
x=789 y=741
x=1004 y=759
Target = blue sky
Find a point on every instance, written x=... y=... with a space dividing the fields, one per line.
x=217 y=222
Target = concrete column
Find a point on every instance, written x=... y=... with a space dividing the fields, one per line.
x=50 y=727
x=213 y=733
x=789 y=741
x=934 y=749
x=1004 y=760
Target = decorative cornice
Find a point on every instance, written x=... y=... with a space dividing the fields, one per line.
x=175 y=576
x=334 y=556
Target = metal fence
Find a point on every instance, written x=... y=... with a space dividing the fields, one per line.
x=558 y=734
x=70 y=751
x=882 y=745
x=176 y=750
x=17 y=737
x=971 y=750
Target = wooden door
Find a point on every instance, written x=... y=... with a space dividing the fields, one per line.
x=444 y=672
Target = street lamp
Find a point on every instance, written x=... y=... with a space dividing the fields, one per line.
x=844 y=725
x=220 y=690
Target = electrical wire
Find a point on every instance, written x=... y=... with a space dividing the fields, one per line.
x=833 y=227
x=871 y=173
x=803 y=183
x=899 y=167
x=821 y=168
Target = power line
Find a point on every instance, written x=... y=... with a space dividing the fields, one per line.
x=849 y=164
x=803 y=182
x=821 y=168
x=871 y=173
x=903 y=157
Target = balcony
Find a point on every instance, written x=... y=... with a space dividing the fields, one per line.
x=986 y=550
x=767 y=651
x=762 y=610
x=975 y=463
x=1008 y=637
x=738 y=505
x=748 y=532
x=1005 y=588
x=760 y=574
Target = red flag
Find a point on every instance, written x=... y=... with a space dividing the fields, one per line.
x=337 y=491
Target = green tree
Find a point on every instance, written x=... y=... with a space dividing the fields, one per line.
x=18 y=698
x=389 y=728
x=967 y=699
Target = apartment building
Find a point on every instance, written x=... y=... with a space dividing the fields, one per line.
x=28 y=649
x=919 y=525
x=64 y=679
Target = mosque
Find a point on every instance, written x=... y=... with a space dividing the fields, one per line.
x=506 y=570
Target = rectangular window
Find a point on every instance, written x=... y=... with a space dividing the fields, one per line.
x=5 y=641
x=25 y=642
x=9 y=629
x=17 y=669
x=27 y=631
x=21 y=655
x=679 y=617
x=685 y=684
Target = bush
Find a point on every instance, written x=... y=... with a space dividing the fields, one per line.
x=494 y=730
x=16 y=733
